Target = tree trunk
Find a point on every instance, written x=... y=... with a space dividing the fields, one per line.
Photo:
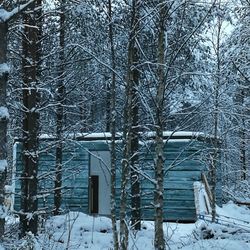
x=59 y=114
x=108 y=103
x=134 y=77
x=159 y=241
x=216 y=118
x=243 y=159
x=31 y=98
x=135 y=177
x=130 y=134
x=124 y=182
x=111 y=124
x=4 y=117
x=124 y=224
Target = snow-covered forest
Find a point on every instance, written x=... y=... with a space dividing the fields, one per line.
x=141 y=72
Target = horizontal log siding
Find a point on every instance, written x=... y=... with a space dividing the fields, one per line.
x=183 y=165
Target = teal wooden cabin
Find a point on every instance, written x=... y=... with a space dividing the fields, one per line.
x=86 y=173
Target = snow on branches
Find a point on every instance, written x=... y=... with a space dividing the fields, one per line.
x=4 y=113
x=3 y=165
x=4 y=68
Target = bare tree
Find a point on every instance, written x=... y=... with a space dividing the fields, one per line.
x=60 y=111
x=4 y=116
x=130 y=133
x=133 y=81
x=5 y=18
x=112 y=125
x=31 y=97
x=217 y=43
x=236 y=125
x=159 y=241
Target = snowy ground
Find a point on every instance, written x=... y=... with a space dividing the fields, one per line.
x=80 y=231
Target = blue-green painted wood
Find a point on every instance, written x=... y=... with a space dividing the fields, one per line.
x=183 y=165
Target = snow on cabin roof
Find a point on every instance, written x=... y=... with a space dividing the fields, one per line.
x=167 y=135
x=171 y=136
x=84 y=136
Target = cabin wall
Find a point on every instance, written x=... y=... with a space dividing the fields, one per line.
x=184 y=162
x=183 y=166
x=75 y=170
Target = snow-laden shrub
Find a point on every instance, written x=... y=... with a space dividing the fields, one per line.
x=240 y=191
x=29 y=243
x=215 y=231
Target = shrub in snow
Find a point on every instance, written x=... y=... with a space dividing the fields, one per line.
x=8 y=198
x=207 y=231
x=240 y=191
x=217 y=245
x=29 y=243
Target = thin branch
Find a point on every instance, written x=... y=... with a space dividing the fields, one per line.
x=6 y=16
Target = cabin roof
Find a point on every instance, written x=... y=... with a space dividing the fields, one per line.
x=172 y=136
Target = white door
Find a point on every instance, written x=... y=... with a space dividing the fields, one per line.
x=100 y=182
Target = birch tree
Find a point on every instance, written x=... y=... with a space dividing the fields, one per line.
x=130 y=132
x=112 y=125
x=133 y=84
x=159 y=241
x=217 y=43
x=60 y=111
